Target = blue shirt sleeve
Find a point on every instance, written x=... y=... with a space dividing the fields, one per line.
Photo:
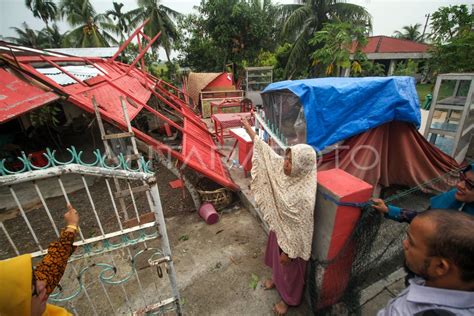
x=400 y=214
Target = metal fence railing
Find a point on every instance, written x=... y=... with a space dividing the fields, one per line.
x=122 y=255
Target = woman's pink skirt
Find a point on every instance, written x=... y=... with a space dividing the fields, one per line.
x=288 y=279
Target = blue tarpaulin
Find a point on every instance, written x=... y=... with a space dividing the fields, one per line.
x=338 y=108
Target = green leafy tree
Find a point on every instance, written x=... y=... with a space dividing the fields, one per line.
x=307 y=18
x=228 y=31
x=240 y=28
x=162 y=19
x=45 y=116
x=410 y=32
x=131 y=52
x=449 y=22
x=197 y=49
x=90 y=29
x=370 y=68
x=266 y=58
x=168 y=72
x=453 y=35
x=46 y=10
x=337 y=40
x=454 y=56
x=282 y=53
x=408 y=68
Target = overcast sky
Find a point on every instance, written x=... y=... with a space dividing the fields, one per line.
x=388 y=15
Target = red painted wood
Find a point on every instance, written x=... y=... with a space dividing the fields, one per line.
x=224 y=80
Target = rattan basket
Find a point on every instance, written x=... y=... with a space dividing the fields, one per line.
x=220 y=198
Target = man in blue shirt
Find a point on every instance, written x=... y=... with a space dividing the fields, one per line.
x=460 y=198
x=439 y=248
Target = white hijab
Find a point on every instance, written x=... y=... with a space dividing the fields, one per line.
x=287 y=202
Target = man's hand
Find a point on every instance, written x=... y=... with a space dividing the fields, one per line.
x=284 y=259
x=379 y=206
x=71 y=216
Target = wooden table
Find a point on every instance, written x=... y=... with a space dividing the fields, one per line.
x=219 y=105
x=223 y=121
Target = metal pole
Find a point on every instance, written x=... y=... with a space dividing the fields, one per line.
x=424 y=29
x=155 y=194
x=68 y=202
x=93 y=206
x=85 y=289
x=9 y=239
x=113 y=204
x=23 y=214
x=133 y=202
x=46 y=208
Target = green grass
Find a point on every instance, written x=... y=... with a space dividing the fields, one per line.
x=446 y=90
x=423 y=90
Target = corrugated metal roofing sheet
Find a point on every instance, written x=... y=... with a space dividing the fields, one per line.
x=196 y=153
x=82 y=73
x=18 y=97
x=87 y=51
x=107 y=95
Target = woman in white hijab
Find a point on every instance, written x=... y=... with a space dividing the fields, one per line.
x=285 y=191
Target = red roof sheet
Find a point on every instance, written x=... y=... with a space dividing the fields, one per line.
x=108 y=92
x=18 y=97
x=385 y=44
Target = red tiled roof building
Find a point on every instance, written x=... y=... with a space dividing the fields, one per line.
x=389 y=51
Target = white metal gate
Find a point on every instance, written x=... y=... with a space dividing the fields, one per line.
x=123 y=261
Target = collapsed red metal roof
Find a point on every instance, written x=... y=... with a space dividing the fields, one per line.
x=18 y=97
x=80 y=80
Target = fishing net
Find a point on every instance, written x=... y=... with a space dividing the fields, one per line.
x=372 y=252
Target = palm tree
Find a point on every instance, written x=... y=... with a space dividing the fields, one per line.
x=409 y=32
x=91 y=29
x=303 y=20
x=161 y=20
x=50 y=37
x=121 y=19
x=25 y=37
x=46 y=10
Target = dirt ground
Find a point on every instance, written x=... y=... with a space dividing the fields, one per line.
x=219 y=265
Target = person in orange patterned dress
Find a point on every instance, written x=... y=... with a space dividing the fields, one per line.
x=24 y=290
